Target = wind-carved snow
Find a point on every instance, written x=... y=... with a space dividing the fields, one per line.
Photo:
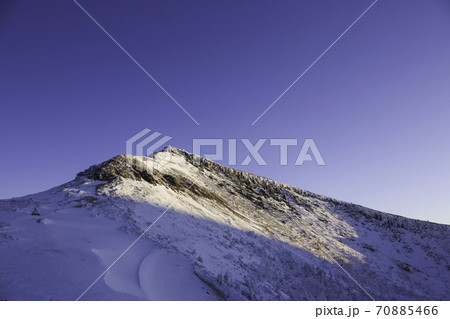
x=224 y=234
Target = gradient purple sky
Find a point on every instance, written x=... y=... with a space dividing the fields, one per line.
x=377 y=104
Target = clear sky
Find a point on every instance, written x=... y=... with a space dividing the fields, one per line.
x=377 y=104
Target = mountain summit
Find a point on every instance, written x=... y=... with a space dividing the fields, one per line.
x=192 y=229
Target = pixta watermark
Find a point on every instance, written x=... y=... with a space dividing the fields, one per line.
x=145 y=143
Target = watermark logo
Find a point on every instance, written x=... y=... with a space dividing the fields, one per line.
x=144 y=144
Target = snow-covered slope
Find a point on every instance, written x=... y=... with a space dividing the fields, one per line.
x=213 y=233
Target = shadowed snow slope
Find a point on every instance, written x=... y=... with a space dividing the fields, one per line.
x=226 y=234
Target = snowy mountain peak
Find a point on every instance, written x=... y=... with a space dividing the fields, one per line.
x=235 y=235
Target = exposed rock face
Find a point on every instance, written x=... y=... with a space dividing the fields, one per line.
x=119 y=166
